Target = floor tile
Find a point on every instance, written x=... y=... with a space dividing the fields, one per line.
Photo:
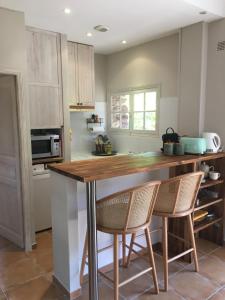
x=10 y=256
x=42 y=254
x=174 y=267
x=2 y=295
x=44 y=242
x=192 y=285
x=18 y=273
x=105 y=292
x=213 y=268
x=205 y=246
x=220 y=253
x=44 y=259
x=135 y=287
x=220 y=295
x=4 y=242
x=37 y=289
x=170 y=295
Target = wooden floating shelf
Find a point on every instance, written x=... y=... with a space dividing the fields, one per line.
x=209 y=203
x=47 y=160
x=205 y=224
x=209 y=183
x=81 y=107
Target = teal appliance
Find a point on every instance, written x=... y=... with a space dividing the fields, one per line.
x=193 y=145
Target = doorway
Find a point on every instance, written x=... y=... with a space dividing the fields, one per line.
x=11 y=205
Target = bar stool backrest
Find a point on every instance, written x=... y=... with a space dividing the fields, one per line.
x=129 y=209
x=142 y=201
x=177 y=195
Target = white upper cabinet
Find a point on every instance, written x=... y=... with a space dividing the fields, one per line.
x=81 y=76
x=44 y=79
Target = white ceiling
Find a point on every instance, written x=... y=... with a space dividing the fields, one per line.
x=136 y=21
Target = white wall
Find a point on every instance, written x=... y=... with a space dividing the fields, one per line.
x=153 y=63
x=215 y=100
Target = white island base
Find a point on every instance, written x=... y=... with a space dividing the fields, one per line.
x=69 y=225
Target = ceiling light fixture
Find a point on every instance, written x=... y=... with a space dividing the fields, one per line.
x=67 y=11
x=89 y=34
x=124 y=42
x=101 y=28
x=204 y=12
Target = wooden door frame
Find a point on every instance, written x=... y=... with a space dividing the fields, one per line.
x=23 y=120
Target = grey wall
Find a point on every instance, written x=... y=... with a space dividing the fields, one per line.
x=192 y=78
x=100 y=77
x=215 y=100
x=153 y=63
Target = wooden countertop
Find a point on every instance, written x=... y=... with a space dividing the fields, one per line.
x=97 y=169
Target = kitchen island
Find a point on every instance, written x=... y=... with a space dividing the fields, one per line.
x=111 y=174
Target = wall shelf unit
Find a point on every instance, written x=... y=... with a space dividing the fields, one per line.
x=210 y=199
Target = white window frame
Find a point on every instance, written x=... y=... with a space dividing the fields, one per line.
x=131 y=92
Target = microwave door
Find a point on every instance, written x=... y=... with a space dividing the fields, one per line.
x=41 y=148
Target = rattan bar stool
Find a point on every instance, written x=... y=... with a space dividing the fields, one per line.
x=123 y=213
x=176 y=198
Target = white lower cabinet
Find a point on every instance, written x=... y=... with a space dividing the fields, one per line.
x=42 y=201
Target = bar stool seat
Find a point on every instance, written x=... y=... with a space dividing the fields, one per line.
x=124 y=213
x=176 y=199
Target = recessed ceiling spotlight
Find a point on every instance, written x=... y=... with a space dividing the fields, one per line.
x=89 y=34
x=204 y=12
x=67 y=10
x=101 y=28
x=124 y=42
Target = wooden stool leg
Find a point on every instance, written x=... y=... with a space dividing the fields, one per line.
x=124 y=249
x=192 y=236
x=130 y=248
x=165 y=250
x=152 y=260
x=85 y=252
x=116 y=267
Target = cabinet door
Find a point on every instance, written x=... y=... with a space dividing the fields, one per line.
x=45 y=107
x=43 y=57
x=85 y=57
x=44 y=79
x=72 y=73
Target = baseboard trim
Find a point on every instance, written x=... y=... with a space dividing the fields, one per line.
x=70 y=296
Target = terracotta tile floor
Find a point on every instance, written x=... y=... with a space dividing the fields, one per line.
x=28 y=276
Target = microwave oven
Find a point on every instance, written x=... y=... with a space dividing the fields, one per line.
x=45 y=146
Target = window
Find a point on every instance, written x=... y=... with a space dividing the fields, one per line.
x=135 y=110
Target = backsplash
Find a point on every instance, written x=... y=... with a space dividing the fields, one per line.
x=83 y=141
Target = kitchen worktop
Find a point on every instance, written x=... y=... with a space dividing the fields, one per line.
x=85 y=156
x=108 y=167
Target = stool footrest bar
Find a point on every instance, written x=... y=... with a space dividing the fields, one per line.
x=180 y=255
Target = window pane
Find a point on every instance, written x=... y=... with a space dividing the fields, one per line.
x=150 y=121
x=125 y=103
x=124 y=122
x=115 y=103
x=139 y=102
x=115 y=120
x=138 y=120
x=150 y=101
